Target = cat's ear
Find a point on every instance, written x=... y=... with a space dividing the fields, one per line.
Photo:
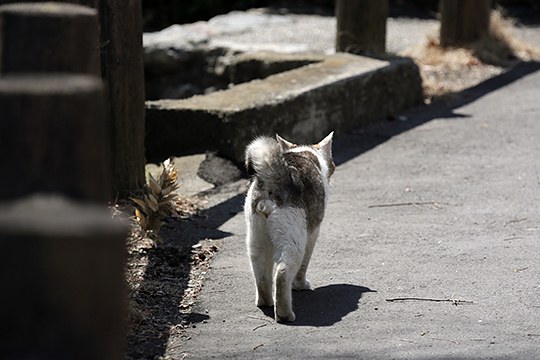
x=325 y=146
x=285 y=145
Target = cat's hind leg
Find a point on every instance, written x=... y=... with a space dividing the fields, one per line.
x=288 y=232
x=261 y=254
x=300 y=281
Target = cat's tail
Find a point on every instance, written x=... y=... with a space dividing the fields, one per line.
x=264 y=160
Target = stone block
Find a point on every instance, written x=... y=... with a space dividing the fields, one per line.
x=339 y=93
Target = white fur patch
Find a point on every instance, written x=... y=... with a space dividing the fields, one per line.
x=288 y=231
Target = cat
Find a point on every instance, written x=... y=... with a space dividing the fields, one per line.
x=284 y=208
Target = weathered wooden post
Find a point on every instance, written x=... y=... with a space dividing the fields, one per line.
x=61 y=274
x=123 y=72
x=361 y=26
x=53 y=132
x=54 y=137
x=120 y=29
x=62 y=263
x=463 y=21
x=49 y=37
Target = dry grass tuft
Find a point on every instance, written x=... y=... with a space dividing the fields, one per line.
x=449 y=70
x=159 y=201
x=501 y=46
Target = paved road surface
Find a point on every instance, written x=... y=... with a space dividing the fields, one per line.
x=444 y=205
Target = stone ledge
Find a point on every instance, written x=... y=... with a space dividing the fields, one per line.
x=339 y=93
x=252 y=66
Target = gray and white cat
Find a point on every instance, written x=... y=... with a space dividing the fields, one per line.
x=284 y=208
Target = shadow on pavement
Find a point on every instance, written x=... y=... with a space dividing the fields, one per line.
x=327 y=305
x=354 y=143
x=324 y=306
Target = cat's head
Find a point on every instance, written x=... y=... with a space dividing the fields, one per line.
x=323 y=148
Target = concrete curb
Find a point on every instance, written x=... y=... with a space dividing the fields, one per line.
x=337 y=94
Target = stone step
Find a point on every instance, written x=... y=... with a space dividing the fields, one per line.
x=336 y=93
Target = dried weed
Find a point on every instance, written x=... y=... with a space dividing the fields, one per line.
x=446 y=71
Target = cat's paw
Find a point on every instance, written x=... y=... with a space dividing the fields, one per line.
x=301 y=284
x=290 y=317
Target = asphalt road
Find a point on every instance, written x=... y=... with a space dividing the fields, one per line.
x=442 y=207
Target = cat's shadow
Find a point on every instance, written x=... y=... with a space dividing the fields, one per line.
x=324 y=306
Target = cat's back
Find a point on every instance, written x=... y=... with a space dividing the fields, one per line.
x=305 y=169
x=307 y=186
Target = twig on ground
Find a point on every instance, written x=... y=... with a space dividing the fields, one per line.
x=452 y=341
x=409 y=341
x=420 y=203
x=256 y=347
x=513 y=238
x=258 y=327
x=259 y=318
x=453 y=301
x=514 y=221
